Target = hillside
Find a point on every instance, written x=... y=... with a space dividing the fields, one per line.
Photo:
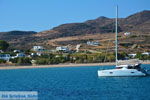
x=18 y=39
x=106 y=25
x=97 y=29
x=138 y=22
x=8 y=36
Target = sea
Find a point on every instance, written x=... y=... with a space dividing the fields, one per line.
x=75 y=83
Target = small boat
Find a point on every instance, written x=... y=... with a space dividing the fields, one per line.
x=126 y=69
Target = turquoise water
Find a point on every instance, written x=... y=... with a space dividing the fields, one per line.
x=75 y=83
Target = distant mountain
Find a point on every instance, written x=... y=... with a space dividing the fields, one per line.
x=139 y=23
x=99 y=25
x=15 y=34
x=107 y=25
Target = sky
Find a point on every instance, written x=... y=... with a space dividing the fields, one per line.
x=40 y=15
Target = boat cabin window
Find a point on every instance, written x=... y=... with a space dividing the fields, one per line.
x=110 y=72
x=118 y=67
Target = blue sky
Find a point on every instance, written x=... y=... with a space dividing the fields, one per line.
x=39 y=15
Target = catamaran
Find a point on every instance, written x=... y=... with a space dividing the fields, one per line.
x=125 y=69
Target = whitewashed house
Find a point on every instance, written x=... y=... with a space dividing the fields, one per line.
x=93 y=43
x=62 y=48
x=132 y=55
x=16 y=51
x=20 y=55
x=5 y=57
x=39 y=54
x=127 y=33
x=38 y=48
x=33 y=54
x=146 y=53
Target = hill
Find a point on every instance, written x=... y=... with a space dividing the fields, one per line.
x=97 y=29
x=18 y=39
x=106 y=25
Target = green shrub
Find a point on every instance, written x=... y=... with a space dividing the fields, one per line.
x=133 y=36
x=42 y=61
x=2 y=61
x=3 y=45
x=14 y=60
x=21 y=61
x=24 y=61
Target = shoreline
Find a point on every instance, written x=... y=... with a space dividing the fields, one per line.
x=62 y=65
x=55 y=66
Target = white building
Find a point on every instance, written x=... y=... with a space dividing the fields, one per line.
x=5 y=56
x=20 y=55
x=36 y=54
x=146 y=53
x=127 y=33
x=17 y=51
x=62 y=48
x=38 y=48
x=132 y=55
x=93 y=43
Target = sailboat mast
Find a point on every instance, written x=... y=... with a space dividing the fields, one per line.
x=116 y=41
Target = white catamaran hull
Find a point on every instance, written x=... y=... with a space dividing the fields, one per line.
x=120 y=72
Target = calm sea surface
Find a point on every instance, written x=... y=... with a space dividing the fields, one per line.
x=75 y=83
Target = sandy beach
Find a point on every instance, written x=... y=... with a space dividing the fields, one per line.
x=57 y=65
x=63 y=65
